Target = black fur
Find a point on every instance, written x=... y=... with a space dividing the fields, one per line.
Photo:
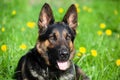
x=53 y=48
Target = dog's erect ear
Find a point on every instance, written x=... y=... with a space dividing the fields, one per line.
x=70 y=17
x=45 y=17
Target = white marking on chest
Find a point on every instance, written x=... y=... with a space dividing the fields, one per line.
x=66 y=77
x=36 y=75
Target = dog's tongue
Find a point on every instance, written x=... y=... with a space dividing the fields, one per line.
x=63 y=65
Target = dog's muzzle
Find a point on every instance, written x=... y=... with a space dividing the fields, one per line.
x=63 y=54
x=63 y=59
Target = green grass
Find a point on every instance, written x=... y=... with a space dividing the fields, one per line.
x=101 y=67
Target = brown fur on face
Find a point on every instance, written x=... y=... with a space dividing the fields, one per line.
x=60 y=41
x=71 y=45
x=72 y=50
x=45 y=20
x=42 y=48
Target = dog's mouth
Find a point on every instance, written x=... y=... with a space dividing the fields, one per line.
x=63 y=65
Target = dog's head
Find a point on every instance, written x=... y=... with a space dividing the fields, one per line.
x=55 y=41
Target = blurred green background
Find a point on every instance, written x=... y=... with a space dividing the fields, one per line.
x=97 y=42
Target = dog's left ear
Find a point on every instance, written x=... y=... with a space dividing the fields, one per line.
x=70 y=17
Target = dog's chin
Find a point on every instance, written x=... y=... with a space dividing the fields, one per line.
x=63 y=65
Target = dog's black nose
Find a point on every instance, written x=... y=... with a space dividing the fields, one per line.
x=63 y=54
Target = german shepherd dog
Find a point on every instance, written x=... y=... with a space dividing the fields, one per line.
x=51 y=57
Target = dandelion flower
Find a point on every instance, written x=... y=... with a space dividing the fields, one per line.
x=14 y=12
x=102 y=25
x=4 y=48
x=22 y=29
x=23 y=46
x=82 y=50
x=99 y=32
x=77 y=5
x=78 y=10
x=2 y=29
x=108 y=32
x=31 y=24
x=85 y=8
x=118 y=35
x=60 y=10
x=77 y=31
x=94 y=53
x=79 y=54
x=89 y=10
x=78 y=23
x=118 y=62
x=115 y=12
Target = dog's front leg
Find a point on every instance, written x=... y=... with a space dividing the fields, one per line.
x=80 y=74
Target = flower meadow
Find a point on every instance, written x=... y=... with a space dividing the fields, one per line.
x=97 y=41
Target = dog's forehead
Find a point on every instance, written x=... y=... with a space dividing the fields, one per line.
x=59 y=27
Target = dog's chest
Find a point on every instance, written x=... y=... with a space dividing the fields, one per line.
x=50 y=75
x=39 y=75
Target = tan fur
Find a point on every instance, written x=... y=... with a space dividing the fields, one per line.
x=41 y=48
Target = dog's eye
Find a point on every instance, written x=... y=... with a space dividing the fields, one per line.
x=52 y=38
x=68 y=37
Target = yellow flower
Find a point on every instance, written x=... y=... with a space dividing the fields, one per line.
x=77 y=5
x=79 y=54
x=118 y=35
x=60 y=10
x=89 y=10
x=14 y=12
x=2 y=29
x=108 y=32
x=93 y=52
x=118 y=62
x=85 y=8
x=23 y=46
x=78 y=10
x=31 y=24
x=115 y=12
x=4 y=48
x=102 y=25
x=99 y=32
x=77 y=31
x=78 y=23
x=22 y=29
x=82 y=50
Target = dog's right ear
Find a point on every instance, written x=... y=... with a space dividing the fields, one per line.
x=46 y=17
x=70 y=17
